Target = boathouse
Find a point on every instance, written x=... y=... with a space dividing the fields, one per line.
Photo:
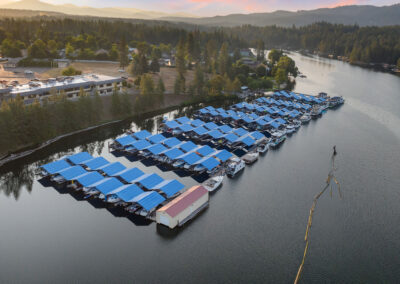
x=183 y=208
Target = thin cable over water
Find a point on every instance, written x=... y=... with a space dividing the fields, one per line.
x=331 y=177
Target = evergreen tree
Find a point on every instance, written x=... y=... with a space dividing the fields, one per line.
x=123 y=53
x=180 y=58
x=223 y=59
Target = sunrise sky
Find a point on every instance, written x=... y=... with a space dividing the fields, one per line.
x=221 y=7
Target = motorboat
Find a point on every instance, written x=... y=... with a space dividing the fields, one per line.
x=277 y=139
x=263 y=148
x=234 y=166
x=213 y=183
x=251 y=157
x=305 y=118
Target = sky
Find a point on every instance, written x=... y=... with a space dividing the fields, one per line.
x=221 y=7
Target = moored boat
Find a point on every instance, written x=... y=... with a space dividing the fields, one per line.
x=213 y=183
x=250 y=157
x=234 y=166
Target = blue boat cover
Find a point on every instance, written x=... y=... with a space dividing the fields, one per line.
x=95 y=163
x=267 y=118
x=204 y=111
x=235 y=117
x=108 y=185
x=197 y=123
x=223 y=155
x=220 y=110
x=79 y=157
x=173 y=153
x=261 y=121
x=209 y=163
x=205 y=150
x=274 y=124
x=257 y=135
x=188 y=146
x=231 y=112
x=240 y=131
x=125 y=140
x=210 y=108
x=128 y=192
x=247 y=140
x=156 y=149
x=250 y=106
x=183 y=120
x=142 y=134
x=141 y=144
x=210 y=125
x=156 y=138
x=190 y=158
x=172 y=124
x=246 y=119
x=214 y=113
x=231 y=137
x=172 y=142
x=149 y=180
x=169 y=187
x=215 y=134
x=72 y=172
x=200 y=130
x=113 y=168
x=185 y=127
x=56 y=166
x=89 y=178
x=225 y=128
x=129 y=175
x=149 y=200
x=280 y=121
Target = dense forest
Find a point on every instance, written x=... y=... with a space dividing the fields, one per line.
x=359 y=44
x=80 y=38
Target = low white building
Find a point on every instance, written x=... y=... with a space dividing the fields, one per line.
x=183 y=208
x=70 y=85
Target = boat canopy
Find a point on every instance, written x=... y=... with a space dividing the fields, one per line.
x=129 y=175
x=79 y=157
x=140 y=145
x=188 y=146
x=240 y=131
x=215 y=134
x=205 y=150
x=172 y=124
x=220 y=110
x=247 y=140
x=142 y=134
x=172 y=142
x=113 y=168
x=210 y=125
x=107 y=185
x=225 y=128
x=204 y=111
x=186 y=127
x=280 y=121
x=214 y=113
x=197 y=123
x=149 y=200
x=231 y=137
x=200 y=130
x=72 y=172
x=183 y=120
x=210 y=108
x=156 y=138
x=54 y=167
x=246 y=119
x=173 y=153
x=125 y=140
x=149 y=180
x=156 y=149
x=129 y=192
x=95 y=163
x=169 y=187
x=209 y=163
x=261 y=122
x=257 y=135
x=274 y=124
x=267 y=118
x=89 y=178
x=223 y=155
x=190 y=158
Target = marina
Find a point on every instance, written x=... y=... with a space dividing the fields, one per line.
x=253 y=228
x=217 y=142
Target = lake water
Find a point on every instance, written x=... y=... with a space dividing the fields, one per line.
x=253 y=231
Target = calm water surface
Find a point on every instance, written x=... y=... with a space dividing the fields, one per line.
x=253 y=231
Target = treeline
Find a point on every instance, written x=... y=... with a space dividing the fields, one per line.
x=363 y=44
x=44 y=38
x=28 y=125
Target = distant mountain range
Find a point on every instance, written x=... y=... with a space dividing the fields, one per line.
x=112 y=12
x=349 y=15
